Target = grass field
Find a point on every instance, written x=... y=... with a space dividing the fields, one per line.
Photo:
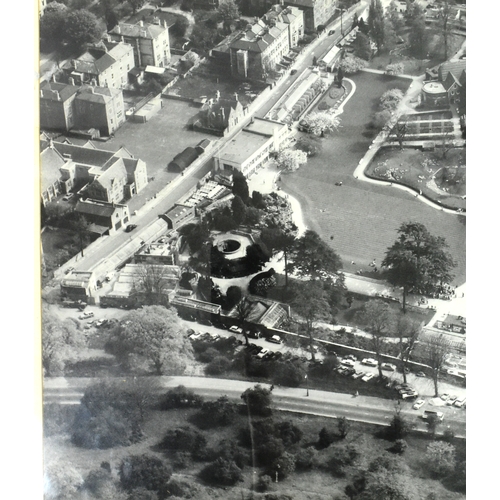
x=359 y=219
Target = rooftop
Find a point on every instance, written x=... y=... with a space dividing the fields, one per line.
x=264 y=127
x=434 y=88
x=241 y=147
x=51 y=162
x=140 y=30
x=100 y=209
x=57 y=91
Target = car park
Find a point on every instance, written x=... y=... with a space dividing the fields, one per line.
x=459 y=403
x=367 y=377
x=235 y=329
x=85 y=315
x=418 y=404
x=388 y=367
x=369 y=362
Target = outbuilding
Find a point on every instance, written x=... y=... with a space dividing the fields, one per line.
x=183 y=160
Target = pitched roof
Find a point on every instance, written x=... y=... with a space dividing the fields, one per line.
x=110 y=175
x=455 y=67
x=451 y=79
x=97 y=94
x=57 y=91
x=51 y=162
x=150 y=31
x=99 y=209
x=83 y=155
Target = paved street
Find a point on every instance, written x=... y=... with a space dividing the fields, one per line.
x=360 y=408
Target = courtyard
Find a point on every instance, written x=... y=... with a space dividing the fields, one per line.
x=360 y=219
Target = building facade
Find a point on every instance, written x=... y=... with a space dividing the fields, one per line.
x=57 y=106
x=105 y=64
x=150 y=42
x=105 y=218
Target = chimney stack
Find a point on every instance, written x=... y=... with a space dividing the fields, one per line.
x=118 y=29
x=71 y=80
x=141 y=23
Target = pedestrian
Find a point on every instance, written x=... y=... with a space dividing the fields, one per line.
x=271 y=388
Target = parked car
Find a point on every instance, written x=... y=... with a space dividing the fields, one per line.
x=235 y=329
x=388 y=367
x=451 y=400
x=459 y=403
x=99 y=322
x=68 y=196
x=409 y=394
x=421 y=374
x=351 y=357
x=130 y=227
x=367 y=377
x=331 y=32
x=348 y=362
x=275 y=339
x=398 y=387
x=418 y=404
x=85 y=315
x=349 y=371
x=215 y=336
x=369 y=362
x=438 y=414
x=445 y=397
x=195 y=336
x=262 y=353
x=357 y=375
x=293 y=71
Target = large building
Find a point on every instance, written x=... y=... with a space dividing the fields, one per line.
x=104 y=218
x=248 y=150
x=103 y=175
x=105 y=64
x=150 y=42
x=292 y=17
x=69 y=107
x=221 y=115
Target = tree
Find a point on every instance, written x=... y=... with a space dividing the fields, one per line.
x=376 y=24
x=80 y=225
x=343 y=427
x=310 y=145
x=362 y=47
x=220 y=412
x=156 y=334
x=239 y=210
x=288 y=374
x=240 y=186
x=284 y=465
x=445 y=17
x=291 y=159
x=136 y=4
x=81 y=27
x=356 y=486
x=391 y=98
x=51 y=27
x=398 y=427
x=276 y=240
x=345 y=455
x=381 y=118
x=180 y=26
x=195 y=235
x=152 y=284
x=440 y=458
x=436 y=349
x=61 y=481
x=243 y=310
x=222 y=471
x=55 y=7
x=144 y=471
x=180 y=397
x=228 y=10
x=340 y=76
x=418 y=260
x=418 y=35
x=311 y=257
x=320 y=122
x=400 y=130
x=379 y=318
x=385 y=485
x=395 y=17
x=258 y=400
x=218 y=365
x=310 y=304
x=408 y=331
x=395 y=68
x=388 y=462
x=326 y=437
x=100 y=484
x=233 y=296
x=351 y=64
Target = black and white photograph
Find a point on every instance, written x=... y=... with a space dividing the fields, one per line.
x=252 y=239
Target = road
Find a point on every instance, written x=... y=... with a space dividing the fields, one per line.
x=361 y=408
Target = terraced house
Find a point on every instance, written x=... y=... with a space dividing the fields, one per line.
x=150 y=42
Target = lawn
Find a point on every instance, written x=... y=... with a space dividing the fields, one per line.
x=360 y=219
x=440 y=179
x=315 y=484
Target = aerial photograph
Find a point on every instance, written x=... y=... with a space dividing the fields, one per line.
x=253 y=249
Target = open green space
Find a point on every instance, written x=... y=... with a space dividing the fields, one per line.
x=360 y=219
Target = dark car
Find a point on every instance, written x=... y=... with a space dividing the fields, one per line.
x=331 y=32
x=293 y=71
x=130 y=227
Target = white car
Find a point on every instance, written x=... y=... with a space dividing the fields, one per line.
x=418 y=404
x=195 y=336
x=275 y=339
x=409 y=394
x=262 y=353
x=86 y=315
x=367 y=377
x=100 y=322
x=235 y=329
x=369 y=362
x=459 y=403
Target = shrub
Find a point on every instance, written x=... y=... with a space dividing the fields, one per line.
x=264 y=483
x=269 y=451
x=144 y=471
x=343 y=426
x=218 y=365
x=287 y=374
x=182 y=459
x=184 y=439
x=344 y=456
x=390 y=99
x=306 y=458
x=229 y=450
x=287 y=432
x=183 y=488
x=217 y=413
x=398 y=428
x=258 y=400
x=326 y=437
x=399 y=446
x=208 y=354
x=224 y=472
x=284 y=465
x=440 y=458
x=180 y=397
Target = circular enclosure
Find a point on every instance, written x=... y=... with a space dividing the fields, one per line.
x=228 y=247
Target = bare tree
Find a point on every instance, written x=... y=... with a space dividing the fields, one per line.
x=400 y=130
x=444 y=21
x=408 y=331
x=152 y=282
x=243 y=310
x=436 y=348
x=447 y=142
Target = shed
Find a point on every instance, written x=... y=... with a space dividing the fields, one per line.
x=202 y=146
x=183 y=160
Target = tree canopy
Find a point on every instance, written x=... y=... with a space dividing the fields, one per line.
x=362 y=47
x=80 y=27
x=156 y=334
x=320 y=122
x=351 y=64
x=376 y=23
x=418 y=260
x=228 y=10
x=291 y=159
x=311 y=257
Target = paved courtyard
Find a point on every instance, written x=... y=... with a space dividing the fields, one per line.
x=360 y=219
